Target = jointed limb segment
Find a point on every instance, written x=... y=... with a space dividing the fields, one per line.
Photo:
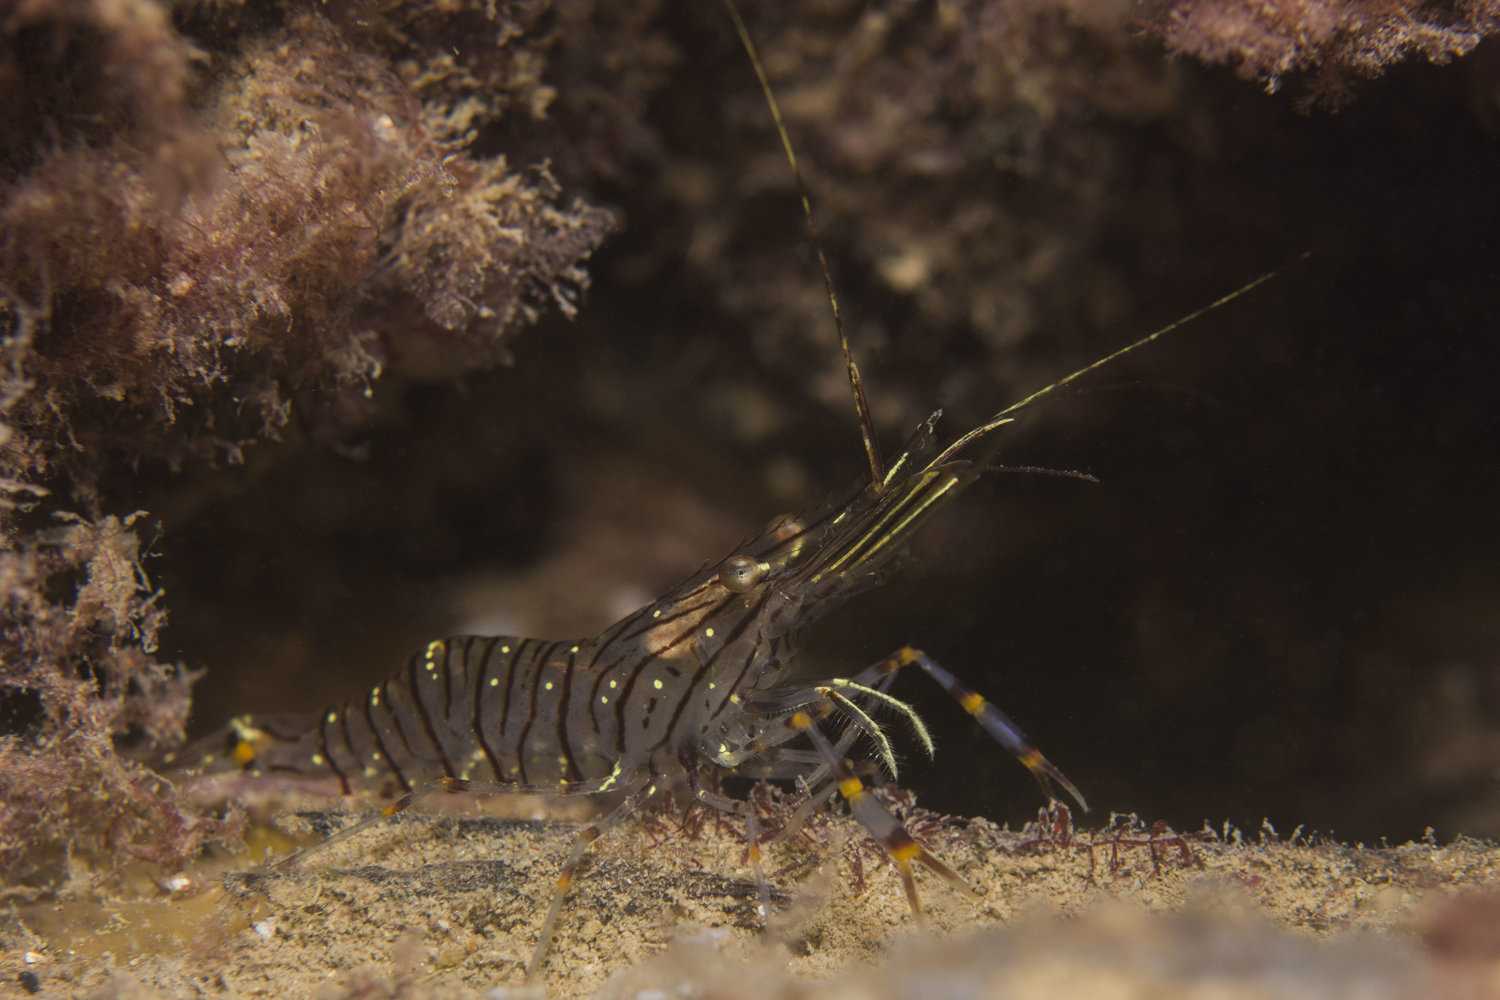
x=995 y=722
x=919 y=728
x=581 y=844
x=877 y=819
x=767 y=754
x=823 y=768
x=865 y=724
x=643 y=790
x=746 y=809
x=447 y=785
x=799 y=817
x=816 y=704
x=826 y=698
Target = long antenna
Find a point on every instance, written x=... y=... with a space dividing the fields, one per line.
x=861 y=405
x=1005 y=415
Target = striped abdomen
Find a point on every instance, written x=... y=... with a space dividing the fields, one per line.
x=486 y=708
x=648 y=695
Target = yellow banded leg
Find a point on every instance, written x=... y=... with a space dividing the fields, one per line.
x=994 y=721
x=447 y=785
x=877 y=820
x=402 y=804
x=586 y=837
x=746 y=810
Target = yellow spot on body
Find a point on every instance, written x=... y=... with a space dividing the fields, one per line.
x=332 y=718
x=389 y=810
x=709 y=632
x=244 y=753
x=604 y=699
x=800 y=720
x=494 y=682
x=656 y=684
x=573 y=649
x=851 y=788
x=318 y=760
x=548 y=685
x=431 y=665
x=375 y=755
x=656 y=613
x=613 y=685
x=972 y=702
x=505 y=649
x=434 y=647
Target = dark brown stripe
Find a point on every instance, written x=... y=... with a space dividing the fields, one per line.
x=467 y=664
x=686 y=635
x=571 y=772
x=598 y=681
x=751 y=614
x=476 y=725
x=600 y=645
x=380 y=745
x=447 y=677
x=544 y=654
x=426 y=717
x=680 y=609
x=624 y=694
x=510 y=685
x=776 y=647
x=711 y=607
x=390 y=709
x=328 y=753
x=343 y=717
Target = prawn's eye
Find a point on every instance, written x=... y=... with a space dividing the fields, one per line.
x=739 y=574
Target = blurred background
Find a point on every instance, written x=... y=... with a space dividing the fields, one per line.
x=1281 y=599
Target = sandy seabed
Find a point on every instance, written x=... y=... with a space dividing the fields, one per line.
x=450 y=906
